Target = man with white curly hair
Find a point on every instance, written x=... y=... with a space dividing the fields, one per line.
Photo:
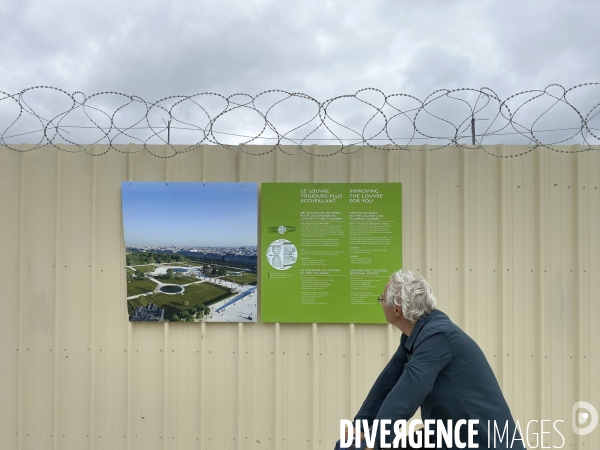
x=438 y=368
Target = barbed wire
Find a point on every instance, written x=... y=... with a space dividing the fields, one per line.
x=290 y=122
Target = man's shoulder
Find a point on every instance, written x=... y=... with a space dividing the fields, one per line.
x=441 y=326
x=437 y=322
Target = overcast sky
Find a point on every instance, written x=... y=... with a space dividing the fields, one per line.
x=321 y=48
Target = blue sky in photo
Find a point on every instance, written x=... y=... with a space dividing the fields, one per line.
x=190 y=214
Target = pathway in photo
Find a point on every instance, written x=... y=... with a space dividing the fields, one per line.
x=235 y=299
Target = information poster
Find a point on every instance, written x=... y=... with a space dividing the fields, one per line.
x=327 y=250
x=191 y=253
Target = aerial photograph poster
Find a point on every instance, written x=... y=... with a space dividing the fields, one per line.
x=191 y=251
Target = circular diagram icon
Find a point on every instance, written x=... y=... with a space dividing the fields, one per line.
x=282 y=254
x=282 y=229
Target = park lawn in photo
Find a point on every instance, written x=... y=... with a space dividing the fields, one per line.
x=137 y=287
x=246 y=278
x=196 y=294
x=148 y=268
x=130 y=270
x=177 y=280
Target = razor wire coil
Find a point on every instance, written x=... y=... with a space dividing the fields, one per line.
x=28 y=113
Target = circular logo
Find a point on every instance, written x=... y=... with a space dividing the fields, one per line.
x=281 y=229
x=282 y=254
x=578 y=418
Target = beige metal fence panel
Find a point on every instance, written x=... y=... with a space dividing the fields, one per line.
x=511 y=247
x=10 y=229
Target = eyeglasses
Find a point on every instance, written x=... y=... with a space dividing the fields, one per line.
x=380 y=299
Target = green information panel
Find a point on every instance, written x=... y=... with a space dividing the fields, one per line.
x=327 y=250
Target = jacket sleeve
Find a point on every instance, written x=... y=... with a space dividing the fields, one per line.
x=431 y=354
x=386 y=380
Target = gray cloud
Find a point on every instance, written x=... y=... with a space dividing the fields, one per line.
x=155 y=49
x=163 y=48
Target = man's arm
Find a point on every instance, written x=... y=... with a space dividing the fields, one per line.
x=430 y=356
x=386 y=380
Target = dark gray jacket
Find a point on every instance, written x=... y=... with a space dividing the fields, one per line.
x=442 y=370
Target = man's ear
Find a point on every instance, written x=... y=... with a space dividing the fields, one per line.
x=398 y=311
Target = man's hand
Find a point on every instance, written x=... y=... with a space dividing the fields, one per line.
x=362 y=436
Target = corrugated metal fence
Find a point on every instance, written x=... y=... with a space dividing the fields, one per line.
x=511 y=247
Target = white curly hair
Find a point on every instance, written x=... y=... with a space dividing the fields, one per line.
x=412 y=293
